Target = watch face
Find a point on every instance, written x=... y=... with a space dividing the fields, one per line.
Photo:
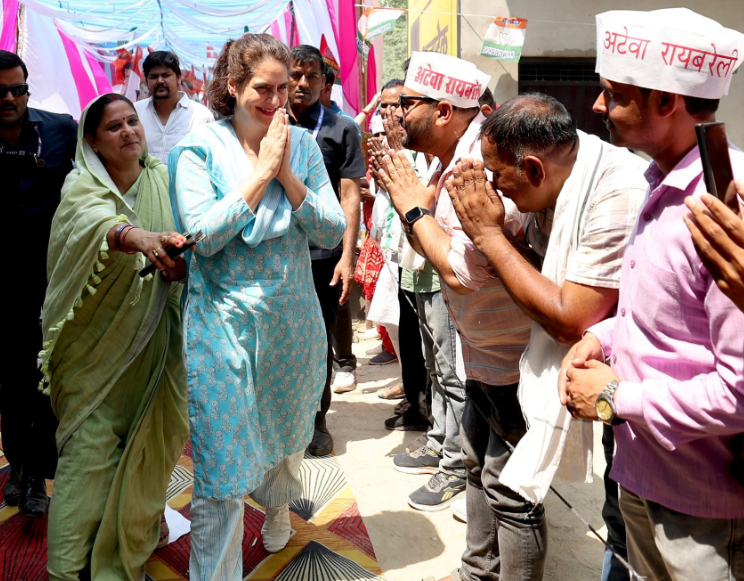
x=603 y=409
x=413 y=215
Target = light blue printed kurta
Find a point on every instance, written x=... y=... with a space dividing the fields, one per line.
x=254 y=337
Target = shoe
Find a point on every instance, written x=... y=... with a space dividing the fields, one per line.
x=374 y=351
x=276 y=530
x=437 y=494
x=422 y=440
x=394 y=392
x=383 y=358
x=460 y=508
x=33 y=501
x=401 y=409
x=421 y=461
x=407 y=423
x=322 y=444
x=344 y=382
x=369 y=334
x=164 y=533
x=12 y=489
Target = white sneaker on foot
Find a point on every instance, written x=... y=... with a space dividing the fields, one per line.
x=460 y=509
x=369 y=334
x=343 y=382
x=276 y=530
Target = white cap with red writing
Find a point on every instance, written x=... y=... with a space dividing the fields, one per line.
x=446 y=78
x=674 y=50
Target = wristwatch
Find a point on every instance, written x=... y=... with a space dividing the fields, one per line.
x=412 y=216
x=605 y=405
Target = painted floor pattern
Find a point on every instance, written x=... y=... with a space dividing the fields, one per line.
x=331 y=542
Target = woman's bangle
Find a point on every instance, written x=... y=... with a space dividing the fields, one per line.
x=117 y=236
x=123 y=240
x=365 y=112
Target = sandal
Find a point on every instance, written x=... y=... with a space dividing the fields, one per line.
x=394 y=392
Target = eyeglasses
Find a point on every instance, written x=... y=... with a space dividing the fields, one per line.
x=15 y=90
x=404 y=101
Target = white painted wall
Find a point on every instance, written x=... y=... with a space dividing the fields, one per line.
x=566 y=28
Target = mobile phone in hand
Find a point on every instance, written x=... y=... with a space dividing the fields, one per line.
x=717 y=171
x=175 y=251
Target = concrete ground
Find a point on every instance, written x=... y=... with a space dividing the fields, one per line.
x=412 y=545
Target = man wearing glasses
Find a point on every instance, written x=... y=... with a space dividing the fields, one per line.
x=36 y=153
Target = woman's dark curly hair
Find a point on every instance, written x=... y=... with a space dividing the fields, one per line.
x=239 y=59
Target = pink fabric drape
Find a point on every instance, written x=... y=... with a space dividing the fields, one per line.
x=371 y=76
x=10 y=25
x=103 y=85
x=85 y=89
x=346 y=40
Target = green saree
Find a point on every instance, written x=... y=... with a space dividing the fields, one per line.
x=113 y=366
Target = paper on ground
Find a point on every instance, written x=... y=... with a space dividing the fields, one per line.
x=178 y=524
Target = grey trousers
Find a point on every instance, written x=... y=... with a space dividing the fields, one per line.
x=507 y=536
x=666 y=545
x=447 y=391
x=217 y=525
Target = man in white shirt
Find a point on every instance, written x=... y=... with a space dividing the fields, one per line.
x=168 y=114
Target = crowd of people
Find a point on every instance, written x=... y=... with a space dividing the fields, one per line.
x=527 y=278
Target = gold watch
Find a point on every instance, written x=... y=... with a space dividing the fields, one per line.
x=605 y=405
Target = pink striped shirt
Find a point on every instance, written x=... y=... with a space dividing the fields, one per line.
x=677 y=344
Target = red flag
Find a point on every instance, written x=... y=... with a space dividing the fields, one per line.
x=211 y=53
x=328 y=56
x=137 y=63
x=123 y=61
x=188 y=81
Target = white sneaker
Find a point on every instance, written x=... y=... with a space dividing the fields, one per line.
x=276 y=530
x=460 y=509
x=369 y=334
x=343 y=382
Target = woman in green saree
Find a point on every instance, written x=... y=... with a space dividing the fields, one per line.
x=112 y=358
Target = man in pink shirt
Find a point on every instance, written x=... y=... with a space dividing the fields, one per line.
x=674 y=386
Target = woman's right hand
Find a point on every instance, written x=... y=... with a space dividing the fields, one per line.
x=273 y=145
x=153 y=245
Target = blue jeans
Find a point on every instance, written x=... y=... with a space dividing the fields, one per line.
x=506 y=536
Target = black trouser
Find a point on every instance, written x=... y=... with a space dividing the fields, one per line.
x=28 y=423
x=328 y=297
x=413 y=365
x=613 y=570
x=343 y=358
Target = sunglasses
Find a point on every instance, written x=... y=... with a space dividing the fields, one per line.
x=404 y=101
x=15 y=90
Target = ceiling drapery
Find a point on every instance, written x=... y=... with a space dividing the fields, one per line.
x=184 y=26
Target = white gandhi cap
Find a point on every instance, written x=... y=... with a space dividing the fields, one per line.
x=674 y=50
x=446 y=78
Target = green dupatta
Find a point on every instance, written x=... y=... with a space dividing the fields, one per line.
x=99 y=317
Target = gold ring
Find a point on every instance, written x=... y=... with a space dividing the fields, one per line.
x=163 y=239
x=156 y=254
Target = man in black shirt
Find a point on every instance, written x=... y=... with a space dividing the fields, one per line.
x=36 y=153
x=341 y=146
